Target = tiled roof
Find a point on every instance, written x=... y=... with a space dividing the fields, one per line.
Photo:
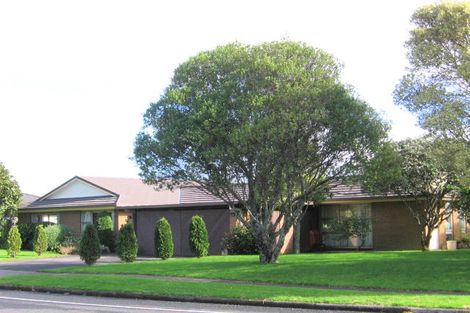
x=353 y=192
x=73 y=202
x=192 y=194
x=27 y=198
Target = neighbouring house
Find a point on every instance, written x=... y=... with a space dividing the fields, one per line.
x=81 y=200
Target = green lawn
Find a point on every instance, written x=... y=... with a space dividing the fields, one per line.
x=404 y=270
x=24 y=255
x=239 y=291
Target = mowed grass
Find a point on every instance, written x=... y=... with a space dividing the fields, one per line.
x=136 y=285
x=24 y=255
x=403 y=270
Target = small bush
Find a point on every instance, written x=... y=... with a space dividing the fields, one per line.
x=198 y=236
x=108 y=239
x=40 y=240
x=240 y=241
x=56 y=234
x=90 y=249
x=127 y=243
x=14 y=242
x=27 y=232
x=70 y=245
x=163 y=239
x=104 y=222
x=464 y=242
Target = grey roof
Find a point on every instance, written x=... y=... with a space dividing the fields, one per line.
x=191 y=194
x=353 y=192
x=73 y=202
x=27 y=198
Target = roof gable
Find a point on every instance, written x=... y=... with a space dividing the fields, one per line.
x=77 y=188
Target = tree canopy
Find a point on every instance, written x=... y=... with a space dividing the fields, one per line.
x=437 y=86
x=418 y=171
x=265 y=128
x=10 y=199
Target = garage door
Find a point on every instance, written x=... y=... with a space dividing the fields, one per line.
x=217 y=222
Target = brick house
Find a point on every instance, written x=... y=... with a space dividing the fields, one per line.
x=80 y=200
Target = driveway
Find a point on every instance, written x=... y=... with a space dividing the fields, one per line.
x=34 y=265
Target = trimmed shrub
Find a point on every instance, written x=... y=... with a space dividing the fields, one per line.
x=163 y=239
x=90 y=249
x=198 y=236
x=27 y=232
x=127 y=243
x=240 y=241
x=56 y=234
x=40 y=240
x=14 y=242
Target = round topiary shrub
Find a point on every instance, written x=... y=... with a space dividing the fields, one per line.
x=13 y=242
x=127 y=243
x=40 y=240
x=198 y=236
x=163 y=239
x=90 y=249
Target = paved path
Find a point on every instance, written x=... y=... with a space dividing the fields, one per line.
x=23 y=302
x=33 y=265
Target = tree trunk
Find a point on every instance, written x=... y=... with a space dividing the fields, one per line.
x=297 y=238
x=425 y=238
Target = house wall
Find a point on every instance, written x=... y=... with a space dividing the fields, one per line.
x=24 y=218
x=217 y=220
x=393 y=227
x=72 y=220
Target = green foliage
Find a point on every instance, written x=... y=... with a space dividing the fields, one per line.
x=355 y=226
x=417 y=171
x=27 y=232
x=56 y=234
x=198 y=236
x=10 y=198
x=240 y=241
x=14 y=242
x=261 y=126
x=437 y=87
x=104 y=222
x=40 y=240
x=90 y=249
x=108 y=239
x=464 y=202
x=127 y=243
x=163 y=239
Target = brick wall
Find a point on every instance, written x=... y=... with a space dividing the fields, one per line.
x=71 y=220
x=393 y=227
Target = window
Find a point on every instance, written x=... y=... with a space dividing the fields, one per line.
x=463 y=223
x=45 y=218
x=449 y=224
x=333 y=212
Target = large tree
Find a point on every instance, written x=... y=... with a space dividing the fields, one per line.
x=420 y=173
x=10 y=198
x=437 y=86
x=266 y=128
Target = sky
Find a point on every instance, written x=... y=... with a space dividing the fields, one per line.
x=77 y=76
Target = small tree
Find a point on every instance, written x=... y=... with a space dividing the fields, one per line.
x=14 y=242
x=40 y=240
x=127 y=243
x=163 y=239
x=10 y=198
x=354 y=226
x=90 y=249
x=198 y=237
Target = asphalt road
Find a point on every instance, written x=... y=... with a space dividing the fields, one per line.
x=22 y=302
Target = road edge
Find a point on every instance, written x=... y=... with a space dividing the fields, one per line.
x=214 y=300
